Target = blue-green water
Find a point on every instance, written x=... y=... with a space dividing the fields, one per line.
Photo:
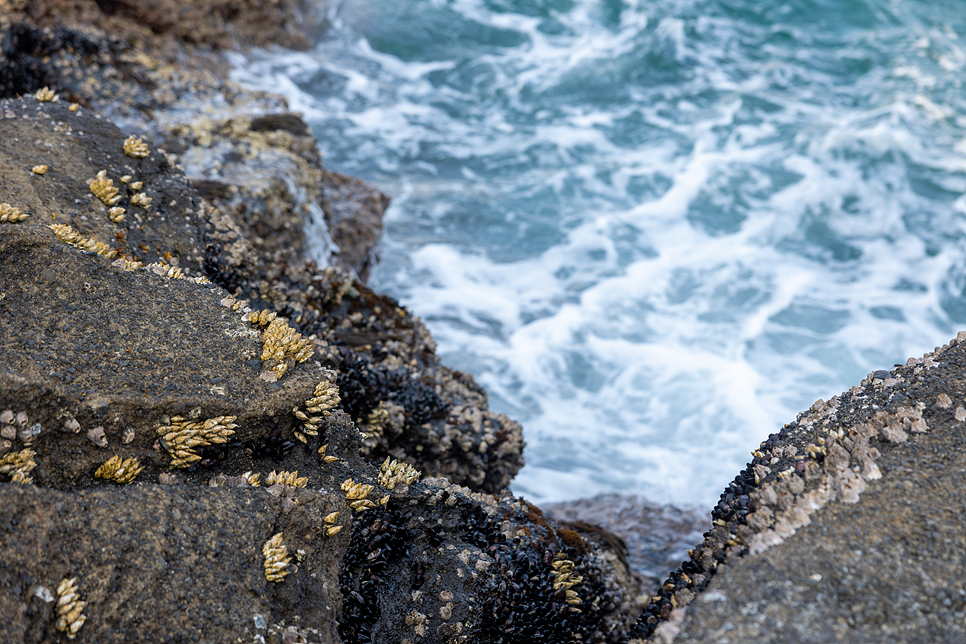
x=653 y=230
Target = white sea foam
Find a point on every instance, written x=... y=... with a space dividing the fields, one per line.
x=653 y=232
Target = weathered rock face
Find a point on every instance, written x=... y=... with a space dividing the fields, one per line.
x=157 y=434
x=846 y=526
x=261 y=174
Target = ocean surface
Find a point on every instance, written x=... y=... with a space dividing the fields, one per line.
x=654 y=230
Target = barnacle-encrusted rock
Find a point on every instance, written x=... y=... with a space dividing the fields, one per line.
x=821 y=519
x=114 y=469
x=69 y=607
x=9 y=214
x=277 y=559
x=103 y=188
x=181 y=436
x=135 y=147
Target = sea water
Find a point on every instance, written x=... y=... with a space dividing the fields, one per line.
x=654 y=230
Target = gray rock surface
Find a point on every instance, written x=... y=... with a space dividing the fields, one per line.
x=847 y=526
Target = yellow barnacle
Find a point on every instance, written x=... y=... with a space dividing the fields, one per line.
x=114 y=469
x=141 y=199
x=330 y=459
x=9 y=214
x=136 y=185
x=393 y=472
x=73 y=107
x=326 y=396
x=261 y=318
x=116 y=214
x=355 y=491
x=322 y=449
x=46 y=95
x=332 y=530
x=253 y=478
x=17 y=465
x=292 y=479
x=103 y=188
x=331 y=517
x=361 y=505
x=69 y=607
x=135 y=147
x=277 y=558
x=39 y=169
x=298 y=414
x=182 y=435
x=71 y=237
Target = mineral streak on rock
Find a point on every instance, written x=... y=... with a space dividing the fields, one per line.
x=277 y=559
x=69 y=607
x=9 y=214
x=114 y=469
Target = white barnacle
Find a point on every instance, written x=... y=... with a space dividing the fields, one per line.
x=69 y=607
x=116 y=214
x=135 y=147
x=136 y=185
x=277 y=558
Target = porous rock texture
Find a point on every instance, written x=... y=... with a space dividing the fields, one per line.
x=846 y=526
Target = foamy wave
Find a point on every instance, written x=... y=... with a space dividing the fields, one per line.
x=654 y=232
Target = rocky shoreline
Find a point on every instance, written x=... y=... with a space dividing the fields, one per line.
x=211 y=430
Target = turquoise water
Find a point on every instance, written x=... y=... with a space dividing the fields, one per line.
x=653 y=230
